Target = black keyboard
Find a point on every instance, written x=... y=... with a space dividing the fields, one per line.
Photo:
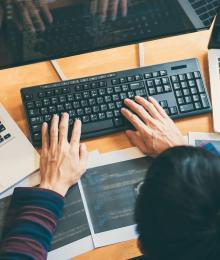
x=177 y=86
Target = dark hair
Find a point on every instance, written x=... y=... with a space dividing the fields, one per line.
x=178 y=208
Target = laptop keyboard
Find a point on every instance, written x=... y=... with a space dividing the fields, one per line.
x=97 y=100
x=4 y=134
x=206 y=9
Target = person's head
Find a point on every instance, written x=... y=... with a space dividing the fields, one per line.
x=178 y=208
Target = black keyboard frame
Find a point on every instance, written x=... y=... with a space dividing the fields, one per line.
x=172 y=68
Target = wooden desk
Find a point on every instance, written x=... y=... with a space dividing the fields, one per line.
x=164 y=50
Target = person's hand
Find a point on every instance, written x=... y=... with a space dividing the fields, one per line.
x=103 y=7
x=28 y=14
x=62 y=163
x=155 y=130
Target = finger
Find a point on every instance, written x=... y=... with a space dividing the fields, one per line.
x=27 y=22
x=63 y=128
x=136 y=121
x=124 y=5
x=54 y=133
x=46 y=11
x=158 y=107
x=140 y=111
x=34 y=13
x=103 y=10
x=150 y=108
x=136 y=140
x=83 y=156
x=76 y=134
x=93 y=7
x=114 y=10
x=45 y=138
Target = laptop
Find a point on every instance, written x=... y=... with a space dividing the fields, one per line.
x=200 y=13
x=18 y=158
x=214 y=72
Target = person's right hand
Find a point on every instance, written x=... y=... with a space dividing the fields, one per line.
x=102 y=7
x=62 y=163
x=156 y=131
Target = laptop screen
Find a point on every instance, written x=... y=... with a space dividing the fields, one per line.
x=37 y=30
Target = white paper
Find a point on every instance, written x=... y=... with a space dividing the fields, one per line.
x=203 y=137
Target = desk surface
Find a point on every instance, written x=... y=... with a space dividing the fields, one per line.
x=160 y=51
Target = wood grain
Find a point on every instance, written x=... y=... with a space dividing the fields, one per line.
x=164 y=50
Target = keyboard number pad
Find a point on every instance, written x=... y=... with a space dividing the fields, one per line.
x=190 y=92
x=4 y=134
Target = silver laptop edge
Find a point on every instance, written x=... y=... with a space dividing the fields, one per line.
x=190 y=12
x=214 y=73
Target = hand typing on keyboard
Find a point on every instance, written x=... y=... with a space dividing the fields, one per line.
x=27 y=14
x=103 y=7
x=62 y=163
x=155 y=131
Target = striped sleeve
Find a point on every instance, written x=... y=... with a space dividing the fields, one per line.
x=30 y=223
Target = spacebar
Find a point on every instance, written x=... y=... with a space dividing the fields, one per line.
x=97 y=126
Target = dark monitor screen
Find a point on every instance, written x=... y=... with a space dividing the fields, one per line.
x=36 y=30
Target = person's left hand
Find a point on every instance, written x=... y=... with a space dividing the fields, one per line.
x=62 y=163
x=102 y=7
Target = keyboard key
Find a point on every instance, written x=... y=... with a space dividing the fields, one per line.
x=189 y=75
x=102 y=91
x=180 y=101
x=186 y=108
x=101 y=116
x=76 y=104
x=100 y=100
x=138 y=77
x=192 y=83
x=178 y=93
x=205 y=102
x=117 y=113
x=108 y=99
x=182 y=77
x=30 y=105
x=200 y=85
x=92 y=102
x=167 y=88
x=197 y=74
x=135 y=86
x=150 y=83
x=152 y=91
x=115 y=97
x=80 y=112
x=118 y=122
x=111 y=106
x=174 y=79
x=44 y=111
x=184 y=84
x=36 y=128
x=130 y=78
x=78 y=96
x=122 y=96
x=46 y=102
x=110 y=90
x=163 y=103
x=41 y=94
x=2 y=128
x=148 y=75
x=193 y=91
x=157 y=82
x=140 y=93
x=95 y=109
x=188 y=99
x=159 y=89
x=97 y=126
x=54 y=100
x=60 y=108
x=38 y=104
x=104 y=107
x=119 y=104
x=117 y=89
x=37 y=137
x=123 y=80
x=28 y=97
x=88 y=110
x=109 y=114
x=47 y=118
x=163 y=73
x=195 y=98
x=85 y=119
x=115 y=81
x=186 y=92
x=173 y=110
x=131 y=94
x=165 y=80
x=125 y=88
x=198 y=105
x=86 y=94
x=84 y=103
x=156 y=74
x=94 y=117
x=176 y=86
